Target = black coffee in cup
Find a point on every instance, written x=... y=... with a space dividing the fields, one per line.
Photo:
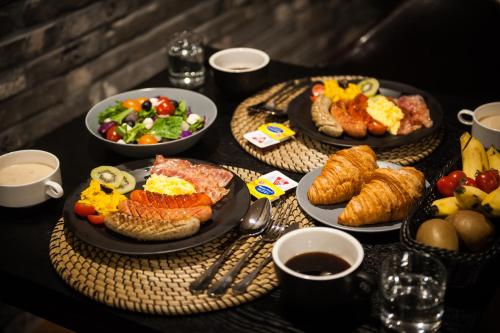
x=317 y=264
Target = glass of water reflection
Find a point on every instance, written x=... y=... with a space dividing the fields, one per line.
x=412 y=289
x=185 y=60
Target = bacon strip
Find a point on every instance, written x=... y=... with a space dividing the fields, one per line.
x=206 y=179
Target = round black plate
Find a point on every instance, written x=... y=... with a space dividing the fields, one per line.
x=226 y=215
x=299 y=113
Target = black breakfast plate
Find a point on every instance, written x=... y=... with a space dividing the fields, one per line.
x=299 y=113
x=226 y=215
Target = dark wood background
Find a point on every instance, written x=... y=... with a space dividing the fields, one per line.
x=59 y=57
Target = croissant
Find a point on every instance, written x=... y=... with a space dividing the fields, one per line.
x=388 y=196
x=343 y=175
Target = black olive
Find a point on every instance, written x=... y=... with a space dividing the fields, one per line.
x=146 y=105
x=106 y=189
x=176 y=104
x=343 y=83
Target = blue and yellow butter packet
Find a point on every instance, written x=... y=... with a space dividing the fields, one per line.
x=277 y=131
x=263 y=188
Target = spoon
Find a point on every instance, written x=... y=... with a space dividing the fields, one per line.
x=252 y=224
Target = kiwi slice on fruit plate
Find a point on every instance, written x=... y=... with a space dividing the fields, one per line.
x=369 y=87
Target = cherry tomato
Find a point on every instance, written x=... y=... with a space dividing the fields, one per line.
x=96 y=219
x=83 y=209
x=147 y=139
x=112 y=135
x=165 y=107
x=487 y=181
x=446 y=186
x=318 y=89
x=457 y=176
x=469 y=181
x=132 y=104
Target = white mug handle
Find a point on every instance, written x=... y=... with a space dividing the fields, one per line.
x=54 y=189
x=464 y=121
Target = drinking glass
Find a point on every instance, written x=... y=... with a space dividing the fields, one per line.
x=412 y=289
x=185 y=60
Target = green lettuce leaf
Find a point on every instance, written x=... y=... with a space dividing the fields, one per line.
x=116 y=112
x=181 y=110
x=167 y=128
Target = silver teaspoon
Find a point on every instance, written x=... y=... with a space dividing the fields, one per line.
x=252 y=224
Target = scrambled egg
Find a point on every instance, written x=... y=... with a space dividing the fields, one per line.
x=168 y=185
x=103 y=202
x=335 y=92
x=383 y=110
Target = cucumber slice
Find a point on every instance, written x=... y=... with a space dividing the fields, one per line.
x=127 y=184
x=369 y=87
x=107 y=175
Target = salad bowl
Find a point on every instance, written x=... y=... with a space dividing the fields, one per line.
x=195 y=103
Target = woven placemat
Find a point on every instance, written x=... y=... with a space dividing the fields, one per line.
x=302 y=154
x=159 y=284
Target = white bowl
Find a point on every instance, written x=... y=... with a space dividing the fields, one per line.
x=198 y=103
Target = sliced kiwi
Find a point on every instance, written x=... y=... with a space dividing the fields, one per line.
x=107 y=175
x=369 y=87
x=127 y=184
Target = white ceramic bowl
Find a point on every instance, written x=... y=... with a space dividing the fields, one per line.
x=240 y=70
x=198 y=103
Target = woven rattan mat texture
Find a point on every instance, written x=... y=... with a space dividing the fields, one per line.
x=159 y=284
x=302 y=154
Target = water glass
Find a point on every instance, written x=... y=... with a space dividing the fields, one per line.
x=185 y=60
x=412 y=289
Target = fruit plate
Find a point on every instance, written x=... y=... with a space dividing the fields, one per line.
x=300 y=118
x=226 y=215
x=464 y=268
x=328 y=214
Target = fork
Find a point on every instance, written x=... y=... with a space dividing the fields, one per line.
x=241 y=287
x=271 y=234
x=279 y=96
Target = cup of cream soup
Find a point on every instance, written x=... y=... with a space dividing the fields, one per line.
x=485 y=123
x=29 y=177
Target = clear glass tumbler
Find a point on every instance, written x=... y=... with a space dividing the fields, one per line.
x=412 y=289
x=185 y=60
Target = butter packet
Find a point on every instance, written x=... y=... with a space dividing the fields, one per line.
x=280 y=180
x=271 y=185
x=268 y=135
x=277 y=131
x=260 y=139
x=263 y=188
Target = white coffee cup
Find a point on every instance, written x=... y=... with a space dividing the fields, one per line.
x=32 y=185
x=481 y=130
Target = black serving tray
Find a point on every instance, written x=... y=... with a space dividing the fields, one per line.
x=464 y=268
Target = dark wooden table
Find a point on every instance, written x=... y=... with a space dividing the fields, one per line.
x=29 y=281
